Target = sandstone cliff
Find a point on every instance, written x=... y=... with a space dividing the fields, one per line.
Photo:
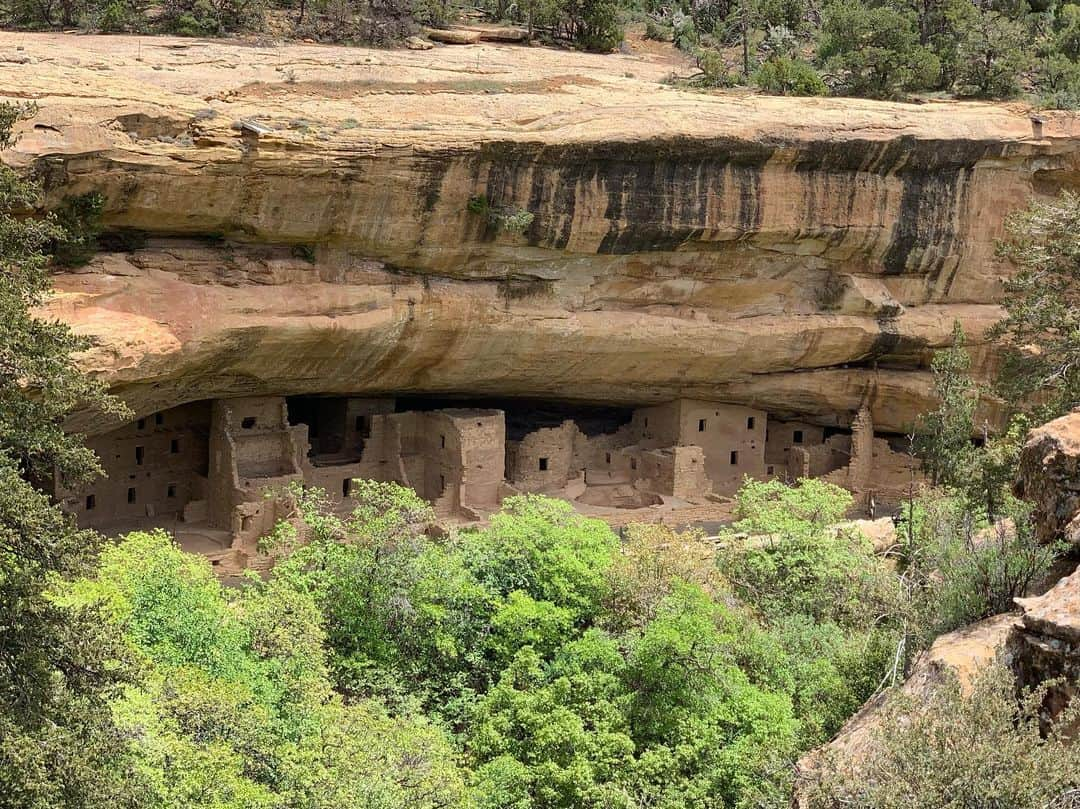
x=779 y=253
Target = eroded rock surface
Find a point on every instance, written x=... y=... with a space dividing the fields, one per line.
x=1046 y=645
x=779 y=253
x=1049 y=478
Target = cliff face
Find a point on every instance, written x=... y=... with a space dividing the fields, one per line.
x=784 y=254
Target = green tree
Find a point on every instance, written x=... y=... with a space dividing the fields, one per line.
x=874 y=51
x=943 y=436
x=1041 y=328
x=992 y=51
x=58 y=665
x=592 y=24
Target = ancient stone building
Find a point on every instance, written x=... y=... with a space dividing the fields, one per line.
x=732 y=438
x=155 y=466
x=203 y=470
x=781 y=437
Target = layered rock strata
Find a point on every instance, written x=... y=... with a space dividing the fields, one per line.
x=351 y=209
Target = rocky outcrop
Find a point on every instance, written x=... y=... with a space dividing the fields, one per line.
x=959 y=654
x=783 y=254
x=1046 y=645
x=1041 y=644
x=1049 y=478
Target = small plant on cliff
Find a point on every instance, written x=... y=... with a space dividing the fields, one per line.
x=80 y=218
x=506 y=218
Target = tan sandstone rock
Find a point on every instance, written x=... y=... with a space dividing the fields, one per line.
x=1049 y=478
x=784 y=254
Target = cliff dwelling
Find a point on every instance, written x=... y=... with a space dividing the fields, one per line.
x=204 y=469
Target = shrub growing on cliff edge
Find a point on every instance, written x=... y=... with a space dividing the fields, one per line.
x=963 y=747
x=785 y=76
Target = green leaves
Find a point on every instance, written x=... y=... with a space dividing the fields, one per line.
x=1041 y=329
x=874 y=51
x=59 y=663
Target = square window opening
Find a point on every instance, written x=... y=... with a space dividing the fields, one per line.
x=797 y=437
x=159 y=419
x=140 y=424
x=750 y=423
x=734 y=457
x=543 y=464
x=171 y=491
x=174 y=446
x=248 y=422
x=701 y=425
x=91 y=502
x=140 y=454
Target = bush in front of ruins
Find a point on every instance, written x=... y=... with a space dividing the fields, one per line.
x=236 y=707
x=782 y=557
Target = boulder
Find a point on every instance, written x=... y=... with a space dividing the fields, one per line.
x=453 y=36
x=881 y=532
x=1045 y=645
x=1049 y=478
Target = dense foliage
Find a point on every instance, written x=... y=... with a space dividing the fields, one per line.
x=1041 y=330
x=537 y=663
x=58 y=666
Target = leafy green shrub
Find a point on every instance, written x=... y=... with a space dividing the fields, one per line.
x=967 y=569
x=1058 y=82
x=237 y=709
x=789 y=77
x=714 y=69
x=594 y=25
x=207 y=18
x=657 y=31
x=781 y=558
x=497 y=217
